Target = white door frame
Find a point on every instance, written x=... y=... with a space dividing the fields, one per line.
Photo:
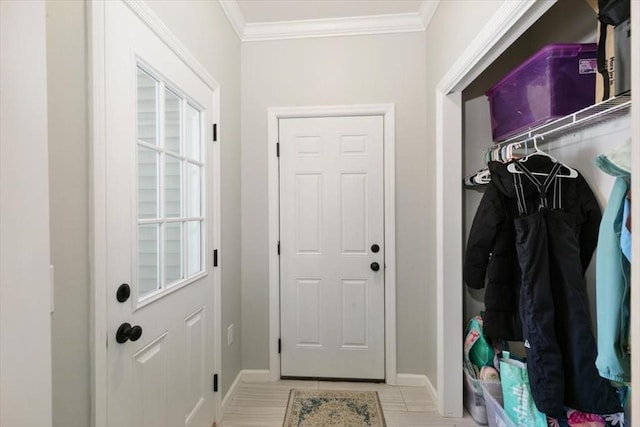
x=97 y=197
x=511 y=20
x=388 y=113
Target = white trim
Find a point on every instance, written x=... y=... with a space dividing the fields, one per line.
x=257 y=376
x=97 y=192
x=427 y=10
x=215 y=228
x=411 y=380
x=388 y=112
x=146 y=15
x=432 y=390
x=491 y=41
x=635 y=207
x=508 y=23
x=228 y=398
x=329 y=27
x=353 y=26
x=417 y=380
x=97 y=212
x=234 y=15
x=244 y=376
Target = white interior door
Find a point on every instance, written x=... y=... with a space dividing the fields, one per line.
x=161 y=223
x=332 y=248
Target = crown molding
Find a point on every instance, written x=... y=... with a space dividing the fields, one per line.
x=381 y=24
x=309 y=28
x=234 y=15
x=427 y=10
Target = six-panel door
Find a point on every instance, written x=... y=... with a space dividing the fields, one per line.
x=331 y=215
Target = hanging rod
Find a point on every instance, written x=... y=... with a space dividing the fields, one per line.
x=606 y=110
x=593 y=114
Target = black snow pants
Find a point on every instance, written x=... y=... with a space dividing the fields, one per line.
x=560 y=346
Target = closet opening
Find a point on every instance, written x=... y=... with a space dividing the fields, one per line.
x=463 y=137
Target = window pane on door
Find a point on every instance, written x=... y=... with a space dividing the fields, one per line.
x=170 y=174
x=172 y=186
x=147 y=183
x=194 y=251
x=147 y=108
x=192 y=123
x=172 y=122
x=173 y=252
x=193 y=175
x=148 y=254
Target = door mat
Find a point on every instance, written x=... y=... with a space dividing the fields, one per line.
x=324 y=408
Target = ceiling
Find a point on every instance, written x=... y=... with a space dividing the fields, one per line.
x=296 y=10
x=259 y=20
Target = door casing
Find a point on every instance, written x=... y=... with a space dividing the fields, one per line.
x=97 y=197
x=273 y=116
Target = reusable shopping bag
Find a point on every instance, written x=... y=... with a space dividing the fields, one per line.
x=477 y=350
x=516 y=393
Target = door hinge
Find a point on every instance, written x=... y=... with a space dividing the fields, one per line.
x=215 y=382
x=215 y=132
x=215 y=257
x=277 y=149
x=278 y=247
x=279 y=345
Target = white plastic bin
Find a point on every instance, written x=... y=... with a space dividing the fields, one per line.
x=474 y=400
x=496 y=416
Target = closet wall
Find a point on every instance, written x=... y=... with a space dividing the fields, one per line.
x=576 y=149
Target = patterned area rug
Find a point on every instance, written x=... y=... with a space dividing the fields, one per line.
x=324 y=408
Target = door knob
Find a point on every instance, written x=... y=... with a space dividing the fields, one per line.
x=127 y=332
x=123 y=292
x=375 y=266
x=375 y=248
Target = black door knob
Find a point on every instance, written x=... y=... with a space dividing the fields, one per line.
x=375 y=248
x=375 y=266
x=123 y=292
x=127 y=332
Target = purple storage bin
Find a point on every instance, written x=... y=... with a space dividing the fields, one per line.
x=558 y=80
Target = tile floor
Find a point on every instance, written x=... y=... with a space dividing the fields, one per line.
x=264 y=404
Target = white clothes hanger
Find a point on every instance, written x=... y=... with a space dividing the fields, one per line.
x=482 y=177
x=537 y=152
x=503 y=154
x=510 y=148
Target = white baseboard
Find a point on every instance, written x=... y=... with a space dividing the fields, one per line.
x=432 y=390
x=415 y=380
x=245 y=375
x=412 y=380
x=256 y=375
x=231 y=392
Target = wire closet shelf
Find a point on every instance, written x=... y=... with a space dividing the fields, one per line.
x=606 y=110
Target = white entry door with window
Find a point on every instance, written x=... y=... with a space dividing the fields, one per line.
x=161 y=228
x=332 y=247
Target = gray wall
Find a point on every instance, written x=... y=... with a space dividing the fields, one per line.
x=338 y=71
x=201 y=26
x=69 y=186
x=454 y=25
x=25 y=295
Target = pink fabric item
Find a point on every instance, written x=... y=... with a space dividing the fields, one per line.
x=581 y=419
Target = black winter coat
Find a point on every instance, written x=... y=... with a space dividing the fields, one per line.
x=491 y=251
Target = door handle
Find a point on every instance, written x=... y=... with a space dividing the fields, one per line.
x=123 y=292
x=375 y=266
x=127 y=332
